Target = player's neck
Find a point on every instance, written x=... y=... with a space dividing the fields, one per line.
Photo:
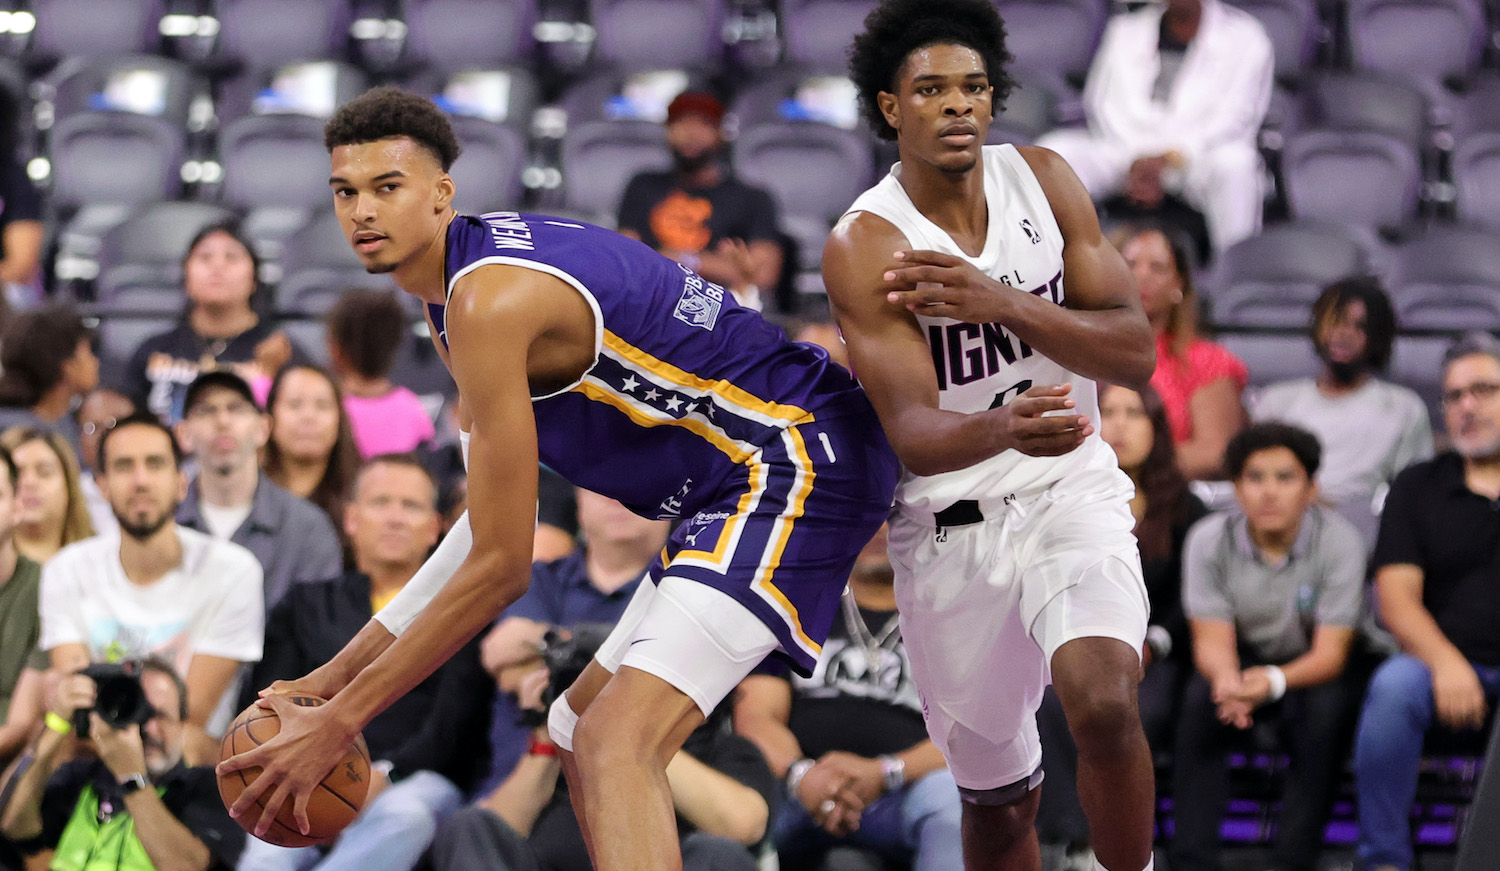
x=954 y=201
x=221 y=322
x=146 y=560
x=421 y=275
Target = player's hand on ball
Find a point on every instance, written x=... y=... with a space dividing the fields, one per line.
x=1037 y=422
x=317 y=682
x=310 y=743
x=938 y=285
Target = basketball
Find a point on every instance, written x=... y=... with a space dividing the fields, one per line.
x=334 y=802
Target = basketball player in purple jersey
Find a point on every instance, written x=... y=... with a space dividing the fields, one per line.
x=633 y=377
x=979 y=301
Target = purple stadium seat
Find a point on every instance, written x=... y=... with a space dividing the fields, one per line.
x=818 y=32
x=1271 y=280
x=1448 y=279
x=1294 y=28
x=659 y=34
x=1428 y=40
x=1368 y=179
x=91 y=28
x=453 y=35
x=1054 y=36
x=488 y=172
x=1272 y=357
x=599 y=158
x=1476 y=172
x=115 y=158
x=269 y=33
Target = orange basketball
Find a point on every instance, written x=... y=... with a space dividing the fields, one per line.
x=334 y=802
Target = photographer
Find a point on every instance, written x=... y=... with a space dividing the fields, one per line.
x=135 y=801
x=720 y=784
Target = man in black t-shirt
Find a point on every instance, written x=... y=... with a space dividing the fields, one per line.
x=700 y=215
x=850 y=742
x=1436 y=562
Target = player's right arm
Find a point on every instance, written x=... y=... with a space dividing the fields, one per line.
x=893 y=363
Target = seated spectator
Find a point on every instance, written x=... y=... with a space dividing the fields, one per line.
x=20 y=629
x=882 y=786
x=699 y=214
x=1273 y=591
x=1175 y=99
x=1199 y=381
x=431 y=744
x=47 y=360
x=721 y=793
x=51 y=510
x=220 y=327
x=224 y=431
x=22 y=231
x=591 y=585
x=1436 y=562
x=1135 y=426
x=1353 y=329
x=157 y=588
x=311 y=451
x=365 y=330
x=134 y=799
x=99 y=411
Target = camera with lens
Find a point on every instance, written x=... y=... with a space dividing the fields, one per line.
x=566 y=653
x=119 y=698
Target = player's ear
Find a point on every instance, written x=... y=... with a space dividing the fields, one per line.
x=446 y=190
x=890 y=108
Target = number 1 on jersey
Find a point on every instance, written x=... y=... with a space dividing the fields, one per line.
x=827 y=447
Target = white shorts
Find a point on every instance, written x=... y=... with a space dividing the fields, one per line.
x=694 y=637
x=985 y=606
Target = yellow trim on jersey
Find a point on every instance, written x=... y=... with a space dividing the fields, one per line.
x=721 y=388
x=698 y=427
x=727 y=533
x=794 y=509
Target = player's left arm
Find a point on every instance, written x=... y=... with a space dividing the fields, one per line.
x=1101 y=333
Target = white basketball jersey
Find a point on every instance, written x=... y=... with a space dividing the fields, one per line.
x=982 y=366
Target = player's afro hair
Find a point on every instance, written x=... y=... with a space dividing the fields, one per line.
x=896 y=28
x=388 y=112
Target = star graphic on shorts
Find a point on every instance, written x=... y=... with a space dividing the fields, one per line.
x=673 y=404
x=652 y=395
x=707 y=407
x=630 y=384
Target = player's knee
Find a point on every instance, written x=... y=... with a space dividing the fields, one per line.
x=999 y=817
x=561 y=723
x=1102 y=715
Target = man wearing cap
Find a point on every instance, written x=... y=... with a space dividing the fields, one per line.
x=700 y=215
x=223 y=430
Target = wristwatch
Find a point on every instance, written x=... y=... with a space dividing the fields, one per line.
x=132 y=782
x=892 y=772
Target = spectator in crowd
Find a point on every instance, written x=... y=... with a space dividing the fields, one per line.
x=311 y=451
x=431 y=744
x=51 y=510
x=1175 y=99
x=157 y=588
x=220 y=327
x=824 y=333
x=1436 y=562
x=22 y=232
x=20 y=629
x=134 y=800
x=1353 y=329
x=224 y=431
x=720 y=786
x=47 y=363
x=99 y=411
x=591 y=585
x=698 y=213
x=1199 y=381
x=365 y=331
x=1135 y=426
x=1274 y=592
x=883 y=786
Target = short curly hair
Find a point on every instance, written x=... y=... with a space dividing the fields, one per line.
x=388 y=112
x=896 y=28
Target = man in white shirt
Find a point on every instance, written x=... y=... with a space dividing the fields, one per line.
x=1370 y=428
x=1175 y=99
x=154 y=588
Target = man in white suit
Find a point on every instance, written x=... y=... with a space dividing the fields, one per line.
x=1175 y=99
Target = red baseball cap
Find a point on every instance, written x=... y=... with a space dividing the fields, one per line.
x=698 y=103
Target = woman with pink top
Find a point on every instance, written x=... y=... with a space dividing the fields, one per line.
x=1200 y=382
x=364 y=333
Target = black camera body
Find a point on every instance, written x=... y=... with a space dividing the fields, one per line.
x=119 y=700
x=566 y=653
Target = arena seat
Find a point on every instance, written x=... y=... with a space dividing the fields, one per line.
x=631 y=33
x=1272 y=279
x=599 y=158
x=452 y=35
x=818 y=32
x=90 y=28
x=147 y=248
x=1370 y=179
x=1295 y=29
x=1055 y=36
x=1272 y=357
x=1368 y=102
x=1381 y=37
x=114 y=158
x=276 y=169
x=1448 y=279
x=1476 y=174
x=270 y=33
x=488 y=171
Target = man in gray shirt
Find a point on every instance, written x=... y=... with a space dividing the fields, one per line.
x=224 y=431
x=1274 y=592
x=1370 y=428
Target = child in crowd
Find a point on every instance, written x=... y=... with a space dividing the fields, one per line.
x=364 y=334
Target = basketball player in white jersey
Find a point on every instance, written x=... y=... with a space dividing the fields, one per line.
x=980 y=304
